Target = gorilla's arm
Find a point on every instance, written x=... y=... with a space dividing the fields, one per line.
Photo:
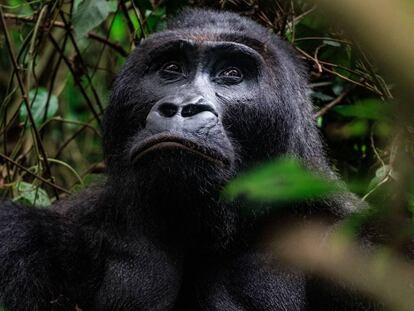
x=41 y=257
x=54 y=260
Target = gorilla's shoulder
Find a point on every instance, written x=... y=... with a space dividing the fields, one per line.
x=80 y=203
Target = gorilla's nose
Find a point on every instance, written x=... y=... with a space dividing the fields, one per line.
x=187 y=109
x=175 y=114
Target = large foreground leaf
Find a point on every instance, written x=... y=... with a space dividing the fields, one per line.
x=281 y=180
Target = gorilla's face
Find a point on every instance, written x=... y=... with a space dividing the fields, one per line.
x=188 y=82
x=179 y=106
x=195 y=105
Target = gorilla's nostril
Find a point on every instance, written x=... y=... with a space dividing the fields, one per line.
x=168 y=110
x=193 y=109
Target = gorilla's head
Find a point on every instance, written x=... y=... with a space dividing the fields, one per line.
x=214 y=90
x=213 y=94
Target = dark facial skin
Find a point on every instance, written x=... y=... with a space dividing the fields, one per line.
x=192 y=86
x=189 y=78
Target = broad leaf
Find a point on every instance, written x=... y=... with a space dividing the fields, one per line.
x=38 y=103
x=31 y=194
x=368 y=109
x=281 y=180
x=91 y=13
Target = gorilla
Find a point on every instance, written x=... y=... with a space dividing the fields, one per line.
x=194 y=105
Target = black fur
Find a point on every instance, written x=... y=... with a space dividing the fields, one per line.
x=157 y=235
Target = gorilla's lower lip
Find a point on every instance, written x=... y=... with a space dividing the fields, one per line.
x=170 y=142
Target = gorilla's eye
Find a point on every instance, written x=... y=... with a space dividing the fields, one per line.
x=231 y=74
x=171 y=68
x=171 y=72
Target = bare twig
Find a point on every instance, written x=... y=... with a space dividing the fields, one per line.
x=330 y=105
x=82 y=63
x=26 y=100
x=112 y=45
x=31 y=19
x=72 y=137
x=53 y=185
x=76 y=78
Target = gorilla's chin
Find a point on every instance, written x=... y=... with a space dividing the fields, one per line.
x=179 y=170
x=157 y=143
x=184 y=188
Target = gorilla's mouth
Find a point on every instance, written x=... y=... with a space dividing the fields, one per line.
x=164 y=141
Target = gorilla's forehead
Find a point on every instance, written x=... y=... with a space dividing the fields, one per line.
x=207 y=38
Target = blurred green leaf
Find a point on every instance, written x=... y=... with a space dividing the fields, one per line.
x=38 y=101
x=91 y=13
x=156 y=19
x=373 y=109
x=319 y=121
x=380 y=174
x=118 y=32
x=338 y=88
x=356 y=128
x=321 y=96
x=31 y=194
x=281 y=180
x=411 y=204
x=332 y=43
x=383 y=129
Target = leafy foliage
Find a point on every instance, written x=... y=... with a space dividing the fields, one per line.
x=31 y=195
x=42 y=107
x=282 y=180
x=90 y=14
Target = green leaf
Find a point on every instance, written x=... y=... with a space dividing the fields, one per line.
x=357 y=128
x=156 y=19
x=319 y=122
x=38 y=101
x=118 y=32
x=321 y=96
x=91 y=13
x=31 y=194
x=281 y=180
x=332 y=43
x=368 y=109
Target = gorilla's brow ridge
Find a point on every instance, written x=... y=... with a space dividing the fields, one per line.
x=198 y=36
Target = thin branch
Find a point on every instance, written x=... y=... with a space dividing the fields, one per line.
x=129 y=23
x=31 y=19
x=76 y=78
x=329 y=106
x=26 y=100
x=369 y=87
x=79 y=55
x=112 y=45
x=72 y=137
x=53 y=185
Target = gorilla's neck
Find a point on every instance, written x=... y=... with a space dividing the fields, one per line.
x=191 y=212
